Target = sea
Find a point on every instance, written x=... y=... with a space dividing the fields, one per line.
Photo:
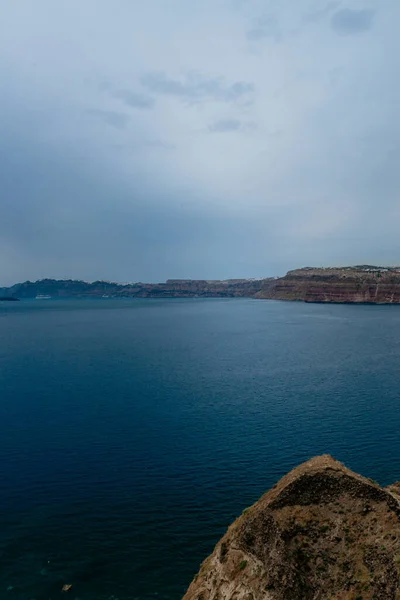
x=133 y=432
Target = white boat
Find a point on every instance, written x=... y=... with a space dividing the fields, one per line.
x=42 y=297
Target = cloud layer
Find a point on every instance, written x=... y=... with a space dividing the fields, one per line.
x=349 y=22
x=221 y=139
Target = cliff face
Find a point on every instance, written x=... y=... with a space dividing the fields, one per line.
x=355 y=284
x=187 y=288
x=323 y=532
x=173 y=288
x=348 y=284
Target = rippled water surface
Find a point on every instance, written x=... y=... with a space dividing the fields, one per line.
x=133 y=432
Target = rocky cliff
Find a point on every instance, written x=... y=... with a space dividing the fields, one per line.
x=322 y=533
x=173 y=288
x=360 y=284
x=363 y=284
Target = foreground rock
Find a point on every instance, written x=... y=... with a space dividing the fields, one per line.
x=323 y=532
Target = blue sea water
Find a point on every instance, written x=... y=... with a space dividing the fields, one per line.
x=132 y=432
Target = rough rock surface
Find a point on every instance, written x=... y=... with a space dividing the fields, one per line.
x=323 y=532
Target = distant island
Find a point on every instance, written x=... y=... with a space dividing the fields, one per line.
x=359 y=284
x=8 y=299
x=172 y=288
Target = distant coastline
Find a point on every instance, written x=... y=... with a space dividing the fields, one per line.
x=172 y=288
x=361 y=284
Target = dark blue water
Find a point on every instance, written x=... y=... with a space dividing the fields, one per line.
x=133 y=432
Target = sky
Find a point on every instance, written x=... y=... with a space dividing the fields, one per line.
x=142 y=140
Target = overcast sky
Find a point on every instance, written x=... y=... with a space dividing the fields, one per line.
x=148 y=139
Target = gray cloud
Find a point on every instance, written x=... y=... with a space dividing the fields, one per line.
x=115 y=119
x=82 y=224
x=224 y=125
x=228 y=125
x=315 y=15
x=134 y=99
x=265 y=27
x=348 y=22
x=195 y=88
x=159 y=144
x=334 y=75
